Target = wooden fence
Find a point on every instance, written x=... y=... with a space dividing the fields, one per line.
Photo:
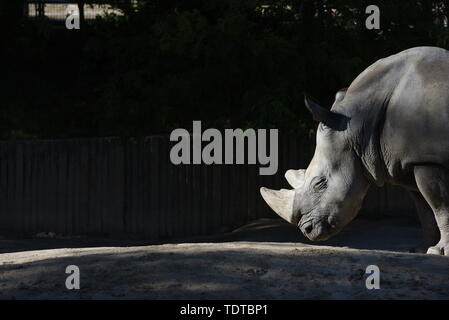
x=112 y=186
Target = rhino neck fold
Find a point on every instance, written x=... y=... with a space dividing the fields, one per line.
x=367 y=133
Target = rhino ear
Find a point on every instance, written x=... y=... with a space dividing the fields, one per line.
x=331 y=119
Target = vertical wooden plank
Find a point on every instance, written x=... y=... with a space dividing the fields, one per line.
x=37 y=185
x=141 y=187
x=76 y=174
x=244 y=182
x=84 y=186
x=249 y=186
x=52 y=189
x=69 y=149
x=63 y=188
x=13 y=217
x=177 y=219
x=154 y=176
x=197 y=198
x=242 y=216
x=169 y=195
x=227 y=198
x=7 y=176
x=47 y=215
x=209 y=208
x=117 y=184
x=19 y=186
x=103 y=188
x=216 y=197
x=146 y=188
x=3 y=188
x=26 y=188
x=204 y=190
x=98 y=200
x=189 y=198
x=160 y=165
x=132 y=204
x=32 y=186
x=92 y=225
x=233 y=195
x=131 y=186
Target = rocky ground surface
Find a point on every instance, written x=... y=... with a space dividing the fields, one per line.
x=266 y=259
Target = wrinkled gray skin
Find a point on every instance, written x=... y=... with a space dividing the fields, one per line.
x=390 y=126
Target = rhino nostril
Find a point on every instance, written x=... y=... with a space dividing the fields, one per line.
x=332 y=221
x=308 y=229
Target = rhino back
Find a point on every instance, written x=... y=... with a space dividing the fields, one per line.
x=406 y=97
x=416 y=128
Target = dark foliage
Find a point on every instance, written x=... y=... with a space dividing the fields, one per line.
x=165 y=63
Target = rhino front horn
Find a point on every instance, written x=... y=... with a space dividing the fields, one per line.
x=282 y=202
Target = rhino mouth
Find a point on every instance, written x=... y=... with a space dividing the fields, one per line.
x=318 y=228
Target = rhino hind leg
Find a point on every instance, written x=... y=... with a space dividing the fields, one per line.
x=431 y=233
x=433 y=183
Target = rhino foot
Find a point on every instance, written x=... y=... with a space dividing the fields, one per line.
x=439 y=249
x=423 y=247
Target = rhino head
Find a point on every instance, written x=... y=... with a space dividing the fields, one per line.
x=329 y=193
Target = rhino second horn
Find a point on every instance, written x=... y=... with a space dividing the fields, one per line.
x=295 y=177
x=281 y=201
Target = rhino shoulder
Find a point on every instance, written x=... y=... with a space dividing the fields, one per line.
x=386 y=72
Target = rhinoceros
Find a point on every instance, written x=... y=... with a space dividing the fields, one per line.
x=391 y=125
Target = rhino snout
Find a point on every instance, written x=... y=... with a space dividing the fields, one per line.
x=319 y=229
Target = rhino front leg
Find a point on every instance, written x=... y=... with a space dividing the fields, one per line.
x=433 y=182
x=431 y=233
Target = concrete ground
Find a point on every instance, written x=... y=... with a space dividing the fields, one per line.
x=266 y=259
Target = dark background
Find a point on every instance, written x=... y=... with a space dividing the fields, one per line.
x=165 y=63
x=157 y=67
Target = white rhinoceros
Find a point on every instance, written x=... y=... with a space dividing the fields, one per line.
x=390 y=126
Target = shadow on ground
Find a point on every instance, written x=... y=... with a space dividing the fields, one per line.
x=233 y=270
x=394 y=234
x=266 y=259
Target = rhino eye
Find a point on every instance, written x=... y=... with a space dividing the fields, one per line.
x=319 y=183
x=323 y=126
